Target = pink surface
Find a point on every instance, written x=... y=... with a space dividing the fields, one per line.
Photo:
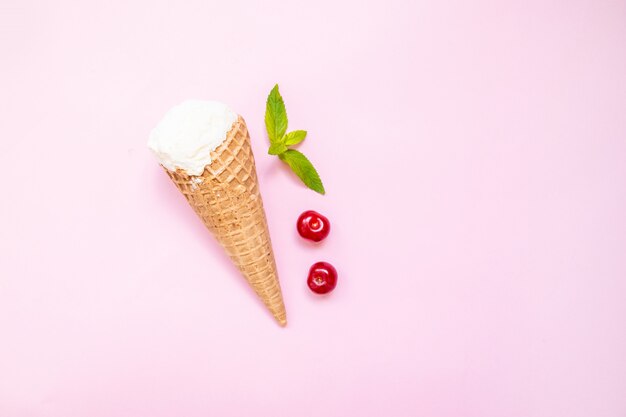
x=475 y=161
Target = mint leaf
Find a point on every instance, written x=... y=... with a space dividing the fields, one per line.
x=276 y=125
x=277 y=148
x=295 y=137
x=304 y=169
x=275 y=116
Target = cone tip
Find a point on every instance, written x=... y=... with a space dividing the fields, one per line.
x=282 y=321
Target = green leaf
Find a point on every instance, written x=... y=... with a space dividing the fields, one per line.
x=304 y=169
x=277 y=148
x=275 y=116
x=295 y=137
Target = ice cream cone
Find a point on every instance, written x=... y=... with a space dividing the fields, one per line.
x=226 y=197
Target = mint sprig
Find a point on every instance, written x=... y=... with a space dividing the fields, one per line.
x=280 y=141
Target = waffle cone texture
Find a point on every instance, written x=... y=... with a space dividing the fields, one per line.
x=227 y=199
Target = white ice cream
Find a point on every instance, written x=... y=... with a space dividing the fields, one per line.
x=188 y=132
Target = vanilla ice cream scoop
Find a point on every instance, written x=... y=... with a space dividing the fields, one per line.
x=188 y=132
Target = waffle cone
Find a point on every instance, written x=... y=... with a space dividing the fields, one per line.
x=226 y=197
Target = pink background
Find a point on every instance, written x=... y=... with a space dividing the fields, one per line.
x=475 y=161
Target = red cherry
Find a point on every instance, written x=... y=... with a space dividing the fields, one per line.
x=322 y=278
x=313 y=226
